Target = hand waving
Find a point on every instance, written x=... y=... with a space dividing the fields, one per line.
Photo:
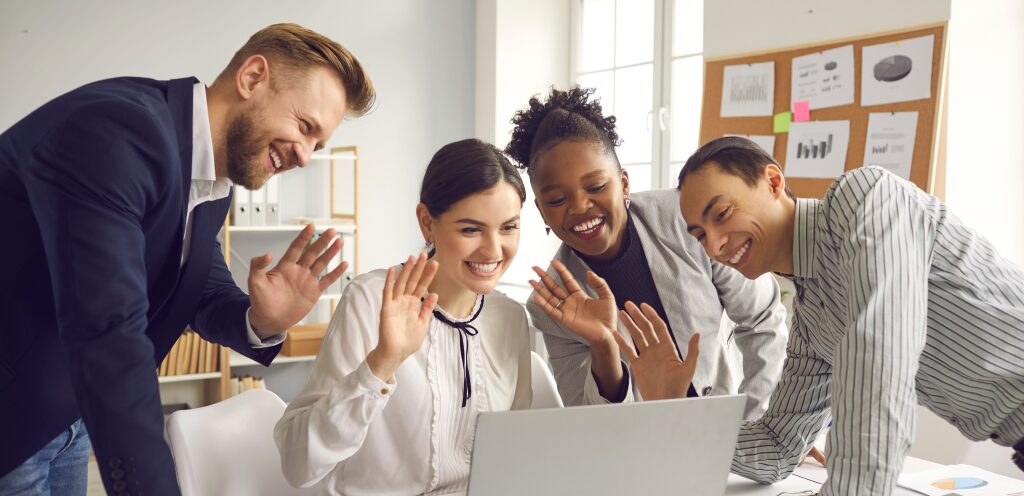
x=282 y=296
x=590 y=318
x=404 y=317
x=657 y=369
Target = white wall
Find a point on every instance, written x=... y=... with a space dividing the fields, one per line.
x=522 y=50
x=420 y=56
x=985 y=153
x=733 y=27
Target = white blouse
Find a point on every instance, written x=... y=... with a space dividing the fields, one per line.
x=413 y=436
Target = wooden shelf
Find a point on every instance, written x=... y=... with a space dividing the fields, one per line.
x=164 y=379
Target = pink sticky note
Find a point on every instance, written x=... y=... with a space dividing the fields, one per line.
x=801 y=111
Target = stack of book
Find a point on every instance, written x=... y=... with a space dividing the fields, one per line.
x=240 y=384
x=191 y=355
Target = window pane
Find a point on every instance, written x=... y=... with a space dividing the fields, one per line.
x=688 y=34
x=604 y=83
x=673 y=174
x=634 y=32
x=687 y=86
x=639 y=177
x=634 y=88
x=597 y=35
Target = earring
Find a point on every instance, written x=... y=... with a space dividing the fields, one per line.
x=548 y=229
x=626 y=198
x=430 y=245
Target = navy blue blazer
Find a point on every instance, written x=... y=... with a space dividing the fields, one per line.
x=93 y=193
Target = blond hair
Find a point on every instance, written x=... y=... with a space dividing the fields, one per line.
x=297 y=47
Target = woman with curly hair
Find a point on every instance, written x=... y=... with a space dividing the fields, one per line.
x=620 y=249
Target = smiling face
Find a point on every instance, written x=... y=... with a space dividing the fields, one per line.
x=277 y=129
x=748 y=228
x=581 y=195
x=476 y=238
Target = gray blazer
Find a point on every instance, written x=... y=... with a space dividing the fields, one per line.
x=694 y=291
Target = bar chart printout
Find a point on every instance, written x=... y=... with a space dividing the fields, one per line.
x=817 y=149
x=814 y=150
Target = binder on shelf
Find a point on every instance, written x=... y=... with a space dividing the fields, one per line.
x=193 y=353
x=201 y=363
x=172 y=358
x=259 y=211
x=240 y=211
x=273 y=213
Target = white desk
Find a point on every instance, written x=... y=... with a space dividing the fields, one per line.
x=809 y=477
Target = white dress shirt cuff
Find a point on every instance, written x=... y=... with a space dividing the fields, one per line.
x=372 y=384
x=255 y=340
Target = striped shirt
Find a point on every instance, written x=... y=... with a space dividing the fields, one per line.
x=898 y=302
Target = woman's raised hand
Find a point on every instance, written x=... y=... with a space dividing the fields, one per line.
x=658 y=370
x=404 y=315
x=593 y=319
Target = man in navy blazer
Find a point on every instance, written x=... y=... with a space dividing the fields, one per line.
x=116 y=192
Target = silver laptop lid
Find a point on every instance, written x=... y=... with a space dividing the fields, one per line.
x=680 y=446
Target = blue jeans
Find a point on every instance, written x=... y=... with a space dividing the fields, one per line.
x=59 y=468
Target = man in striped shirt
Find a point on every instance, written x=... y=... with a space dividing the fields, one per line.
x=898 y=302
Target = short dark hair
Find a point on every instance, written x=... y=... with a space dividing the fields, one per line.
x=734 y=155
x=566 y=116
x=464 y=168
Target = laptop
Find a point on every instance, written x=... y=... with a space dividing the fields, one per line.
x=682 y=446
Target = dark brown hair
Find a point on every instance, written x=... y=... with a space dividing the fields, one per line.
x=464 y=168
x=733 y=155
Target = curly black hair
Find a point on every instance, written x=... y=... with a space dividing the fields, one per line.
x=566 y=115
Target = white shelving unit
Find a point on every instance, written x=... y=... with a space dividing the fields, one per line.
x=168 y=379
x=305 y=194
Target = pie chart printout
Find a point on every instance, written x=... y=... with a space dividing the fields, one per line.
x=893 y=68
x=960 y=483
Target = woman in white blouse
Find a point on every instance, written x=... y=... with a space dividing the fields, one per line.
x=414 y=353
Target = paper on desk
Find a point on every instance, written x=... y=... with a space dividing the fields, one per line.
x=963 y=480
x=790 y=485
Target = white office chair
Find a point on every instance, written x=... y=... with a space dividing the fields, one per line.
x=545 y=391
x=228 y=448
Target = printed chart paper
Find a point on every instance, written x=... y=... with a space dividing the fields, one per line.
x=824 y=79
x=890 y=141
x=900 y=71
x=962 y=480
x=748 y=90
x=817 y=149
x=766 y=142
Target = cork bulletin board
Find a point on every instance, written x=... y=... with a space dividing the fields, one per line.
x=928 y=160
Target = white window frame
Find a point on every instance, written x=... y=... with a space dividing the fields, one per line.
x=660 y=118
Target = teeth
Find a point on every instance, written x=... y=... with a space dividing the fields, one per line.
x=588 y=226
x=485 y=268
x=276 y=159
x=739 y=254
